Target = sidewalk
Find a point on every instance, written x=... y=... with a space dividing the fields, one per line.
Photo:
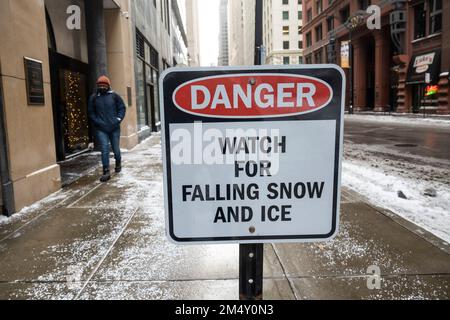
x=107 y=241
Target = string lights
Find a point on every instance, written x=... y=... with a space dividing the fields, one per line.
x=75 y=115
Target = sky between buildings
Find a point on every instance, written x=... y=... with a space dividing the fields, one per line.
x=209 y=31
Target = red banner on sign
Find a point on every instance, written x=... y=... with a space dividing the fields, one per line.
x=253 y=96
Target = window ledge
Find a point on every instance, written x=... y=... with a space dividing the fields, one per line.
x=434 y=35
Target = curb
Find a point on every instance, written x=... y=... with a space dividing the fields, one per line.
x=410 y=226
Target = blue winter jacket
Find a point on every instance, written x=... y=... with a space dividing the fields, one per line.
x=106 y=111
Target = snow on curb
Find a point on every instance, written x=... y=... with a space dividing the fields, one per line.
x=435 y=122
x=381 y=189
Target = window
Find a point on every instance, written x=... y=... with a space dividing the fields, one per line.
x=300 y=2
x=309 y=15
x=435 y=16
x=300 y=60
x=318 y=56
x=308 y=39
x=427 y=18
x=300 y=44
x=345 y=14
x=330 y=23
x=168 y=16
x=363 y=4
x=285 y=15
x=419 y=21
x=285 y=45
x=309 y=59
x=285 y=30
x=319 y=33
x=319 y=6
x=285 y=1
x=300 y=15
x=286 y=60
x=147 y=75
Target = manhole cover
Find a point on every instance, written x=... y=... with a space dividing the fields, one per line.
x=406 y=145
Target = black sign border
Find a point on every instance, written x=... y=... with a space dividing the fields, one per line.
x=211 y=71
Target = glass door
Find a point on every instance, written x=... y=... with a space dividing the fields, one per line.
x=73 y=108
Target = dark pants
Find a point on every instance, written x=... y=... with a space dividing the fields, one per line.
x=104 y=139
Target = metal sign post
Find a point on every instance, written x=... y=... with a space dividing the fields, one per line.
x=251 y=256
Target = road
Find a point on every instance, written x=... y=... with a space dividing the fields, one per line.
x=415 y=150
x=423 y=140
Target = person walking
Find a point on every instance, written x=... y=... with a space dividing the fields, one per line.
x=107 y=110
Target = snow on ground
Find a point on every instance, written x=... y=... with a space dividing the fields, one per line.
x=379 y=178
x=405 y=120
x=25 y=212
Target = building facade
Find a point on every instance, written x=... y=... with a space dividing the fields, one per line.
x=283 y=37
x=151 y=26
x=241 y=32
x=428 y=51
x=223 y=34
x=399 y=65
x=193 y=35
x=51 y=54
x=179 y=37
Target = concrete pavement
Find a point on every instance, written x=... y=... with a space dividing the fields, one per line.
x=93 y=241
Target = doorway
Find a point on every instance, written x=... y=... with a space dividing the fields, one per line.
x=70 y=100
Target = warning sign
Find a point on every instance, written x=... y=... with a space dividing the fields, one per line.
x=252 y=155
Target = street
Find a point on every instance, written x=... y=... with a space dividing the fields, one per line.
x=107 y=241
x=400 y=138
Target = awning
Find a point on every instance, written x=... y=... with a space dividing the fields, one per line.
x=423 y=64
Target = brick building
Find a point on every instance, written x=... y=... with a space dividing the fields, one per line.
x=401 y=66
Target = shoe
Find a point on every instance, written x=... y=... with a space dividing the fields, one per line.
x=118 y=167
x=106 y=176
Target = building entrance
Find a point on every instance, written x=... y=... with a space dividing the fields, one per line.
x=70 y=100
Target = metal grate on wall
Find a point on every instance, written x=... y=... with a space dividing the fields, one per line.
x=140 y=45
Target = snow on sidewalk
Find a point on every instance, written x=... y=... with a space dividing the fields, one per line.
x=380 y=179
x=402 y=120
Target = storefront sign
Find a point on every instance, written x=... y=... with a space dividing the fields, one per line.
x=252 y=155
x=422 y=63
x=345 y=54
x=424 y=68
x=431 y=90
x=34 y=81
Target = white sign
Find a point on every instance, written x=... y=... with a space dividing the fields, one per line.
x=422 y=63
x=252 y=155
